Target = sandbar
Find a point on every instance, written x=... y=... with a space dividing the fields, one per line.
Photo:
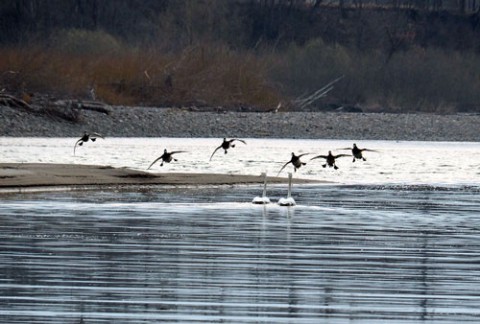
x=34 y=175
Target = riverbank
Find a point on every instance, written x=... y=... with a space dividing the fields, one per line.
x=23 y=176
x=177 y=122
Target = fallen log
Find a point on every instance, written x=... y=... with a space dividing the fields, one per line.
x=97 y=106
x=14 y=102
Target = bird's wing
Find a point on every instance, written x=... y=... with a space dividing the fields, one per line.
x=237 y=139
x=215 y=151
x=95 y=135
x=283 y=167
x=299 y=156
x=344 y=148
x=341 y=155
x=80 y=140
x=319 y=157
x=368 y=150
x=155 y=161
x=175 y=152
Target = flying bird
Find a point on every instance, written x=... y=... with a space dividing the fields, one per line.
x=330 y=159
x=296 y=162
x=226 y=145
x=85 y=137
x=166 y=157
x=358 y=152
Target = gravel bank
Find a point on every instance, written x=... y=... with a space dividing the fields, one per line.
x=174 y=122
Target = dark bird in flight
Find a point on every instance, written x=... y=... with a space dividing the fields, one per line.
x=330 y=159
x=296 y=162
x=166 y=157
x=358 y=152
x=226 y=145
x=85 y=137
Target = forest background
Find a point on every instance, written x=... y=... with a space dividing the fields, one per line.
x=243 y=55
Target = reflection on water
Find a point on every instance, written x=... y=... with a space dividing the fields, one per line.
x=207 y=255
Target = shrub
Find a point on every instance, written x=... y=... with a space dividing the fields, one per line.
x=416 y=79
x=306 y=69
x=207 y=75
x=84 y=42
x=413 y=80
x=430 y=79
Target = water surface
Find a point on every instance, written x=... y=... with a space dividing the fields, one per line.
x=394 y=162
x=401 y=247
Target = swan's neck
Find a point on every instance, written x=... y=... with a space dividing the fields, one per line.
x=289 y=195
x=265 y=186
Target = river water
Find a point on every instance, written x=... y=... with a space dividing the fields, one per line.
x=392 y=239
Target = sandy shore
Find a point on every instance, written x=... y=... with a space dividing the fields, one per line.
x=34 y=175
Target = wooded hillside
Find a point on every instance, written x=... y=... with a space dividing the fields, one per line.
x=242 y=53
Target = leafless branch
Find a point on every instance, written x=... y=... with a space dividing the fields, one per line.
x=304 y=101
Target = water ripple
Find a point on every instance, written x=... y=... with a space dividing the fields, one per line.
x=362 y=254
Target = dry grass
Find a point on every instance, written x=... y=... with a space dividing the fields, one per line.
x=204 y=76
x=426 y=80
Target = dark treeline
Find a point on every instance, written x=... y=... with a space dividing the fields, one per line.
x=241 y=24
x=358 y=41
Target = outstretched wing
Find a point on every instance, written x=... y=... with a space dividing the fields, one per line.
x=237 y=139
x=283 y=167
x=319 y=157
x=345 y=148
x=368 y=150
x=299 y=156
x=74 y=148
x=215 y=152
x=341 y=155
x=95 y=135
x=155 y=161
x=175 y=152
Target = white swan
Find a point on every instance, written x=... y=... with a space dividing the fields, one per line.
x=289 y=201
x=263 y=199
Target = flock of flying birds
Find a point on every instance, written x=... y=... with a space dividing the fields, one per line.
x=295 y=160
x=167 y=157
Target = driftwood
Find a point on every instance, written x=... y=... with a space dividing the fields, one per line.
x=85 y=105
x=12 y=101
x=304 y=101
x=95 y=106
x=71 y=110
x=61 y=112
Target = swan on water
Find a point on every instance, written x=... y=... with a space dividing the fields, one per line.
x=263 y=199
x=289 y=201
